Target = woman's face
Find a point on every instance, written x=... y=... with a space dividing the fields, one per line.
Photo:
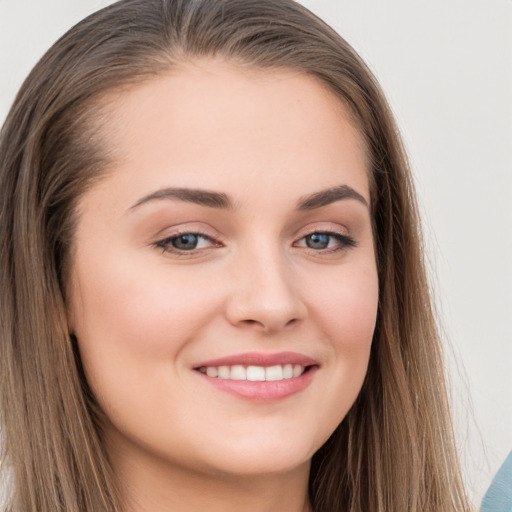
x=224 y=286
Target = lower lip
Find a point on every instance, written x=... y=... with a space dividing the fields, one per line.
x=263 y=391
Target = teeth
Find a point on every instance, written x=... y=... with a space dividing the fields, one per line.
x=254 y=373
x=297 y=370
x=211 y=371
x=238 y=373
x=274 y=373
x=223 y=372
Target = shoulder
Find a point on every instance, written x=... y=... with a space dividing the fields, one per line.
x=498 y=498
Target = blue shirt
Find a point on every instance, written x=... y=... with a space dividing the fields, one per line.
x=499 y=496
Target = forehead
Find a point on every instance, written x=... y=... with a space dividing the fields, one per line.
x=216 y=121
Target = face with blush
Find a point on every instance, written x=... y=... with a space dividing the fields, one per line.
x=224 y=289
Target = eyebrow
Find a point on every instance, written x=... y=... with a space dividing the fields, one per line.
x=328 y=196
x=189 y=195
x=221 y=200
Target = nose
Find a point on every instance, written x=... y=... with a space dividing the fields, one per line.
x=265 y=296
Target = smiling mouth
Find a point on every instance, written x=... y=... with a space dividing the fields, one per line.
x=252 y=373
x=263 y=384
x=260 y=377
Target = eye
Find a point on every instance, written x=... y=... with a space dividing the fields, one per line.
x=185 y=242
x=322 y=241
x=318 y=240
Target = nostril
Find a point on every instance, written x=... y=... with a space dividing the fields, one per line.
x=251 y=322
x=262 y=311
x=268 y=325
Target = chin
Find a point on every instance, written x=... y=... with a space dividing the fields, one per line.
x=257 y=456
x=250 y=465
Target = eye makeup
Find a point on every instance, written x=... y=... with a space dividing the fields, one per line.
x=188 y=242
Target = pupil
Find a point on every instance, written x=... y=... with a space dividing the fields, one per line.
x=317 y=241
x=185 y=242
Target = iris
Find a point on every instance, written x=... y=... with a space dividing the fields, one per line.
x=318 y=241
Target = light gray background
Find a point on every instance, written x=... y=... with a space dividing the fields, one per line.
x=446 y=67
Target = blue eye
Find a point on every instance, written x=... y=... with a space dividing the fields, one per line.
x=318 y=240
x=186 y=242
x=326 y=241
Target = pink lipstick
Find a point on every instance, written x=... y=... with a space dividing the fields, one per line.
x=259 y=376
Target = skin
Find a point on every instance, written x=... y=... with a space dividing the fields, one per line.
x=145 y=315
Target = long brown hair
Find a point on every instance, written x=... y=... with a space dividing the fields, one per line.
x=394 y=450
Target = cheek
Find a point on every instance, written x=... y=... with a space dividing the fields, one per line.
x=347 y=308
x=138 y=311
x=132 y=323
x=346 y=312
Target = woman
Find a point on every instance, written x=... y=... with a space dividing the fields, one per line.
x=213 y=293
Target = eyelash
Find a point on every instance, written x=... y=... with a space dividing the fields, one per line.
x=344 y=241
x=166 y=244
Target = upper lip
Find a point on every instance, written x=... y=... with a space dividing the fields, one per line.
x=260 y=359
